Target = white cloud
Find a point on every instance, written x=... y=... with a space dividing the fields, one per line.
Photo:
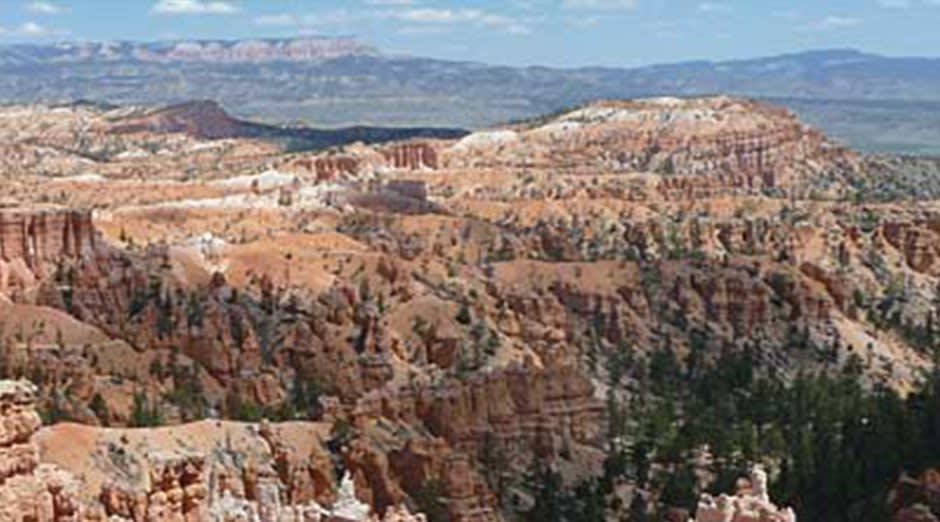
x=279 y=20
x=833 y=22
x=789 y=14
x=30 y=30
x=435 y=15
x=583 y=22
x=424 y=29
x=839 y=21
x=905 y=4
x=599 y=4
x=477 y=17
x=337 y=18
x=34 y=30
x=505 y=23
x=46 y=8
x=416 y=20
x=334 y=18
x=714 y=7
x=195 y=7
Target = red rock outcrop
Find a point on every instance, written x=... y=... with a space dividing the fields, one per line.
x=200 y=119
x=400 y=300
x=38 y=236
x=737 y=144
x=411 y=156
x=523 y=410
x=917 y=240
x=215 y=470
x=175 y=490
x=521 y=413
x=750 y=503
x=34 y=241
x=29 y=491
x=324 y=167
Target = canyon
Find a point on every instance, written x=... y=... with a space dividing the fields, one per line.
x=220 y=326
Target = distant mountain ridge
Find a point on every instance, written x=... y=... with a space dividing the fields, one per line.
x=212 y=51
x=872 y=102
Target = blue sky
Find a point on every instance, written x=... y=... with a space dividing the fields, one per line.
x=517 y=32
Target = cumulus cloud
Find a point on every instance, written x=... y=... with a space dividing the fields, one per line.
x=599 y=4
x=195 y=7
x=415 y=20
x=906 y=4
x=31 y=29
x=714 y=7
x=477 y=17
x=277 y=20
x=833 y=22
x=424 y=29
x=46 y=8
x=583 y=22
x=334 y=19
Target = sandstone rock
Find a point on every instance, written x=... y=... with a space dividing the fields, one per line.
x=736 y=145
x=33 y=241
x=411 y=156
x=748 y=505
x=29 y=491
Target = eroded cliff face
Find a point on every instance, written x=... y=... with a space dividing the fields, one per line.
x=411 y=156
x=30 y=490
x=208 y=471
x=699 y=143
x=356 y=336
x=449 y=314
x=510 y=418
x=695 y=148
x=917 y=239
x=32 y=241
x=38 y=235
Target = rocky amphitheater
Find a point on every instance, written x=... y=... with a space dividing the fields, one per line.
x=203 y=326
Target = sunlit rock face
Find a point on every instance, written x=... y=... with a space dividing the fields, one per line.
x=456 y=304
x=750 y=503
x=206 y=471
x=29 y=490
x=700 y=145
x=33 y=240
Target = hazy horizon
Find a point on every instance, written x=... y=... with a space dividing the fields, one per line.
x=558 y=33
